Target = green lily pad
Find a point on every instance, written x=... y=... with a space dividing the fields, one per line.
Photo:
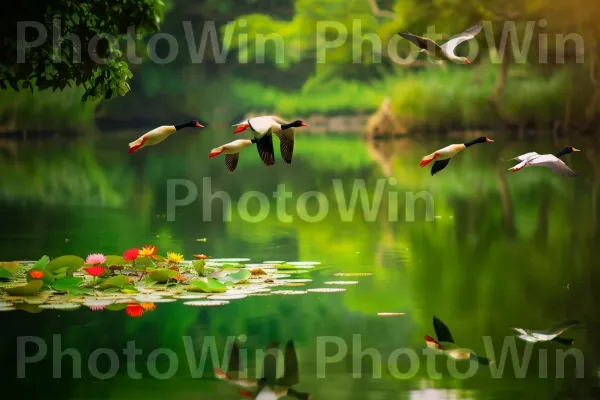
x=286 y=266
x=67 y=284
x=68 y=264
x=115 y=282
x=237 y=277
x=206 y=285
x=11 y=266
x=115 y=260
x=30 y=308
x=5 y=275
x=30 y=289
x=129 y=289
x=41 y=263
x=48 y=278
x=199 y=266
x=162 y=275
x=116 y=307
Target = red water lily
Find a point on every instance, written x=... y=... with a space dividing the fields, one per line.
x=134 y=310
x=95 y=270
x=201 y=256
x=36 y=274
x=131 y=254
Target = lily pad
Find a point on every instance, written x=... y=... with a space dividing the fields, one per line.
x=206 y=303
x=230 y=260
x=237 y=277
x=7 y=308
x=116 y=307
x=192 y=296
x=353 y=274
x=5 y=275
x=304 y=263
x=10 y=267
x=327 y=290
x=41 y=263
x=228 y=297
x=115 y=260
x=199 y=266
x=114 y=282
x=30 y=308
x=206 y=285
x=30 y=289
x=285 y=266
x=61 y=306
x=341 y=283
x=67 y=284
x=66 y=264
x=289 y=292
x=162 y=275
x=129 y=289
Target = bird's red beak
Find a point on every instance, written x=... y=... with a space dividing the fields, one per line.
x=487 y=139
x=241 y=128
x=467 y=61
x=198 y=125
x=215 y=153
x=304 y=124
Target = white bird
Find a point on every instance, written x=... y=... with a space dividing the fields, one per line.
x=445 y=51
x=262 y=129
x=443 y=156
x=269 y=387
x=547 y=335
x=232 y=152
x=551 y=161
x=159 y=134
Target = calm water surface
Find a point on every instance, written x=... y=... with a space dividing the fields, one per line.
x=495 y=250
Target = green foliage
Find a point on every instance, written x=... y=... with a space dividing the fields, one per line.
x=30 y=289
x=65 y=264
x=41 y=263
x=67 y=284
x=199 y=266
x=206 y=285
x=115 y=260
x=162 y=275
x=8 y=269
x=102 y=72
x=240 y=276
x=118 y=281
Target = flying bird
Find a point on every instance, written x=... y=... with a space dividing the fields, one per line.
x=443 y=156
x=269 y=387
x=445 y=344
x=551 y=161
x=263 y=129
x=157 y=135
x=445 y=51
x=232 y=152
x=548 y=334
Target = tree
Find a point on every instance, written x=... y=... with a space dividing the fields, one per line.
x=52 y=44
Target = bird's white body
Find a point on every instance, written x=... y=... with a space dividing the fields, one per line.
x=233 y=147
x=546 y=160
x=445 y=153
x=262 y=125
x=269 y=394
x=155 y=136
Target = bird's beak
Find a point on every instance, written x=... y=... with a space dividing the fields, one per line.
x=489 y=140
x=198 y=125
x=240 y=128
x=467 y=61
x=215 y=153
x=574 y=149
x=304 y=124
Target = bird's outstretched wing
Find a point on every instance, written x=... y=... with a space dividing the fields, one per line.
x=286 y=144
x=525 y=156
x=555 y=164
x=422 y=42
x=290 y=362
x=231 y=161
x=438 y=166
x=481 y=360
x=265 y=149
x=563 y=326
x=442 y=332
x=467 y=34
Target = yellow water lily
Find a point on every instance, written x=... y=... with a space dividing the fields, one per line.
x=174 y=258
x=147 y=251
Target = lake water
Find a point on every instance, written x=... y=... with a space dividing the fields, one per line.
x=482 y=249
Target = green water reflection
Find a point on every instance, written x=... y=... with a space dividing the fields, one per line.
x=499 y=250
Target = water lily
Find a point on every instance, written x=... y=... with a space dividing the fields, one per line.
x=96 y=308
x=201 y=256
x=174 y=258
x=94 y=259
x=148 y=306
x=95 y=270
x=131 y=254
x=134 y=310
x=36 y=274
x=147 y=251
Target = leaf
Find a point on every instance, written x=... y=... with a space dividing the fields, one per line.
x=41 y=263
x=69 y=263
x=116 y=307
x=199 y=266
x=206 y=285
x=114 y=282
x=5 y=275
x=129 y=289
x=162 y=275
x=285 y=267
x=29 y=289
x=11 y=266
x=237 y=277
x=67 y=284
x=230 y=266
x=115 y=260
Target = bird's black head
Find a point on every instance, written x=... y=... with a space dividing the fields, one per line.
x=482 y=139
x=566 y=150
x=191 y=124
x=298 y=124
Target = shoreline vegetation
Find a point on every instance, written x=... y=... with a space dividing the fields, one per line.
x=424 y=101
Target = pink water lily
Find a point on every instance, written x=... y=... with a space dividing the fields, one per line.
x=94 y=259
